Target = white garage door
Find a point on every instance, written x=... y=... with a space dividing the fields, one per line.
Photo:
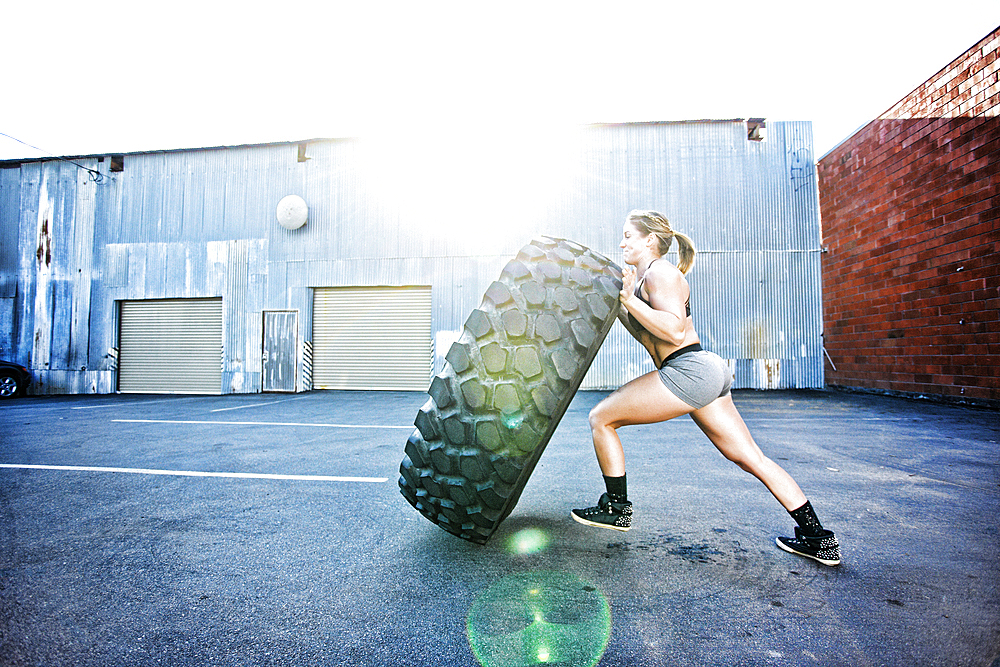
x=372 y=338
x=171 y=346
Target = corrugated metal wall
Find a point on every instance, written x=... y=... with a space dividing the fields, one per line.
x=751 y=208
x=201 y=223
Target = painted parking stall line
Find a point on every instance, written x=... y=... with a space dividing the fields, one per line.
x=227 y=423
x=253 y=405
x=129 y=404
x=195 y=473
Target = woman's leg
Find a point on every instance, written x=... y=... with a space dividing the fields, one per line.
x=724 y=426
x=644 y=400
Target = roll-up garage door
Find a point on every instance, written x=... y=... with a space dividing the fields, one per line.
x=372 y=338
x=171 y=346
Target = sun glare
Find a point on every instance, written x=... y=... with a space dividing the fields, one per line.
x=494 y=182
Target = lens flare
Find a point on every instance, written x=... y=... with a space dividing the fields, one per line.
x=528 y=541
x=536 y=618
x=512 y=421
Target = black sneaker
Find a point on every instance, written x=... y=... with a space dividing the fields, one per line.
x=608 y=514
x=822 y=548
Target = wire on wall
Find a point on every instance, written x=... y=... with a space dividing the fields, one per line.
x=94 y=175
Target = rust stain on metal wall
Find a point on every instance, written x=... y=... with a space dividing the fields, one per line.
x=44 y=250
x=756 y=341
x=772 y=370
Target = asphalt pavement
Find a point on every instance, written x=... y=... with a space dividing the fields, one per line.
x=269 y=530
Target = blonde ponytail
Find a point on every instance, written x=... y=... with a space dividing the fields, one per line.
x=686 y=250
x=651 y=222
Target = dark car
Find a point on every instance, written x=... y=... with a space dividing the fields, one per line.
x=14 y=378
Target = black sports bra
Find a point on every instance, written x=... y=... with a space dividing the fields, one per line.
x=638 y=293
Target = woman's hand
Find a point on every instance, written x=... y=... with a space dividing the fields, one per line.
x=628 y=284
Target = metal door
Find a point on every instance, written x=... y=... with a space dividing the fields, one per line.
x=170 y=346
x=280 y=343
x=372 y=338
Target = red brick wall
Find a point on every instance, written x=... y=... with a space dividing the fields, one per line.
x=911 y=217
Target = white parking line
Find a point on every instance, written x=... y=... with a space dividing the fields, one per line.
x=193 y=473
x=218 y=423
x=128 y=404
x=253 y=405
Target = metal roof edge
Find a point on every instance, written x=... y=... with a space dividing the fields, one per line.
x=10 y=162
x=669 y=122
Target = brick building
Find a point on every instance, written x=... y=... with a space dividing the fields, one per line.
x=910 y=210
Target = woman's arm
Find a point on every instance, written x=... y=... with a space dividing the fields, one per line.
x=643 y=337
x=665 y=318
x=628 y=288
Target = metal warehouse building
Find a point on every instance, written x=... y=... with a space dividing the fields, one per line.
x=170 y=272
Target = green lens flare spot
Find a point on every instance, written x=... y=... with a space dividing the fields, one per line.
x=534 y=618
x=512 y=421
x=528 y=541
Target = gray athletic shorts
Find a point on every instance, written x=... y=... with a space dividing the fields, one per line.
x=697 y=378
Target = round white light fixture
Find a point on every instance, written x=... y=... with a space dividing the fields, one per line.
x=292 y=212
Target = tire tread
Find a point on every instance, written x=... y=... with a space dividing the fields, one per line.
x=505 y=385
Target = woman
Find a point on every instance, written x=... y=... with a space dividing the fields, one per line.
x=656 y=310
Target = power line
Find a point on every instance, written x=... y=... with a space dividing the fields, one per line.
x=95 y=175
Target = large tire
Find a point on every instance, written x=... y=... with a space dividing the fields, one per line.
x=506 y=384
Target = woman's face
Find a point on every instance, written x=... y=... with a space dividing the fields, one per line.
x=633 y=244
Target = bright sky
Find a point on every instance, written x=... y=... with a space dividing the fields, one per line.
x=117 y=76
